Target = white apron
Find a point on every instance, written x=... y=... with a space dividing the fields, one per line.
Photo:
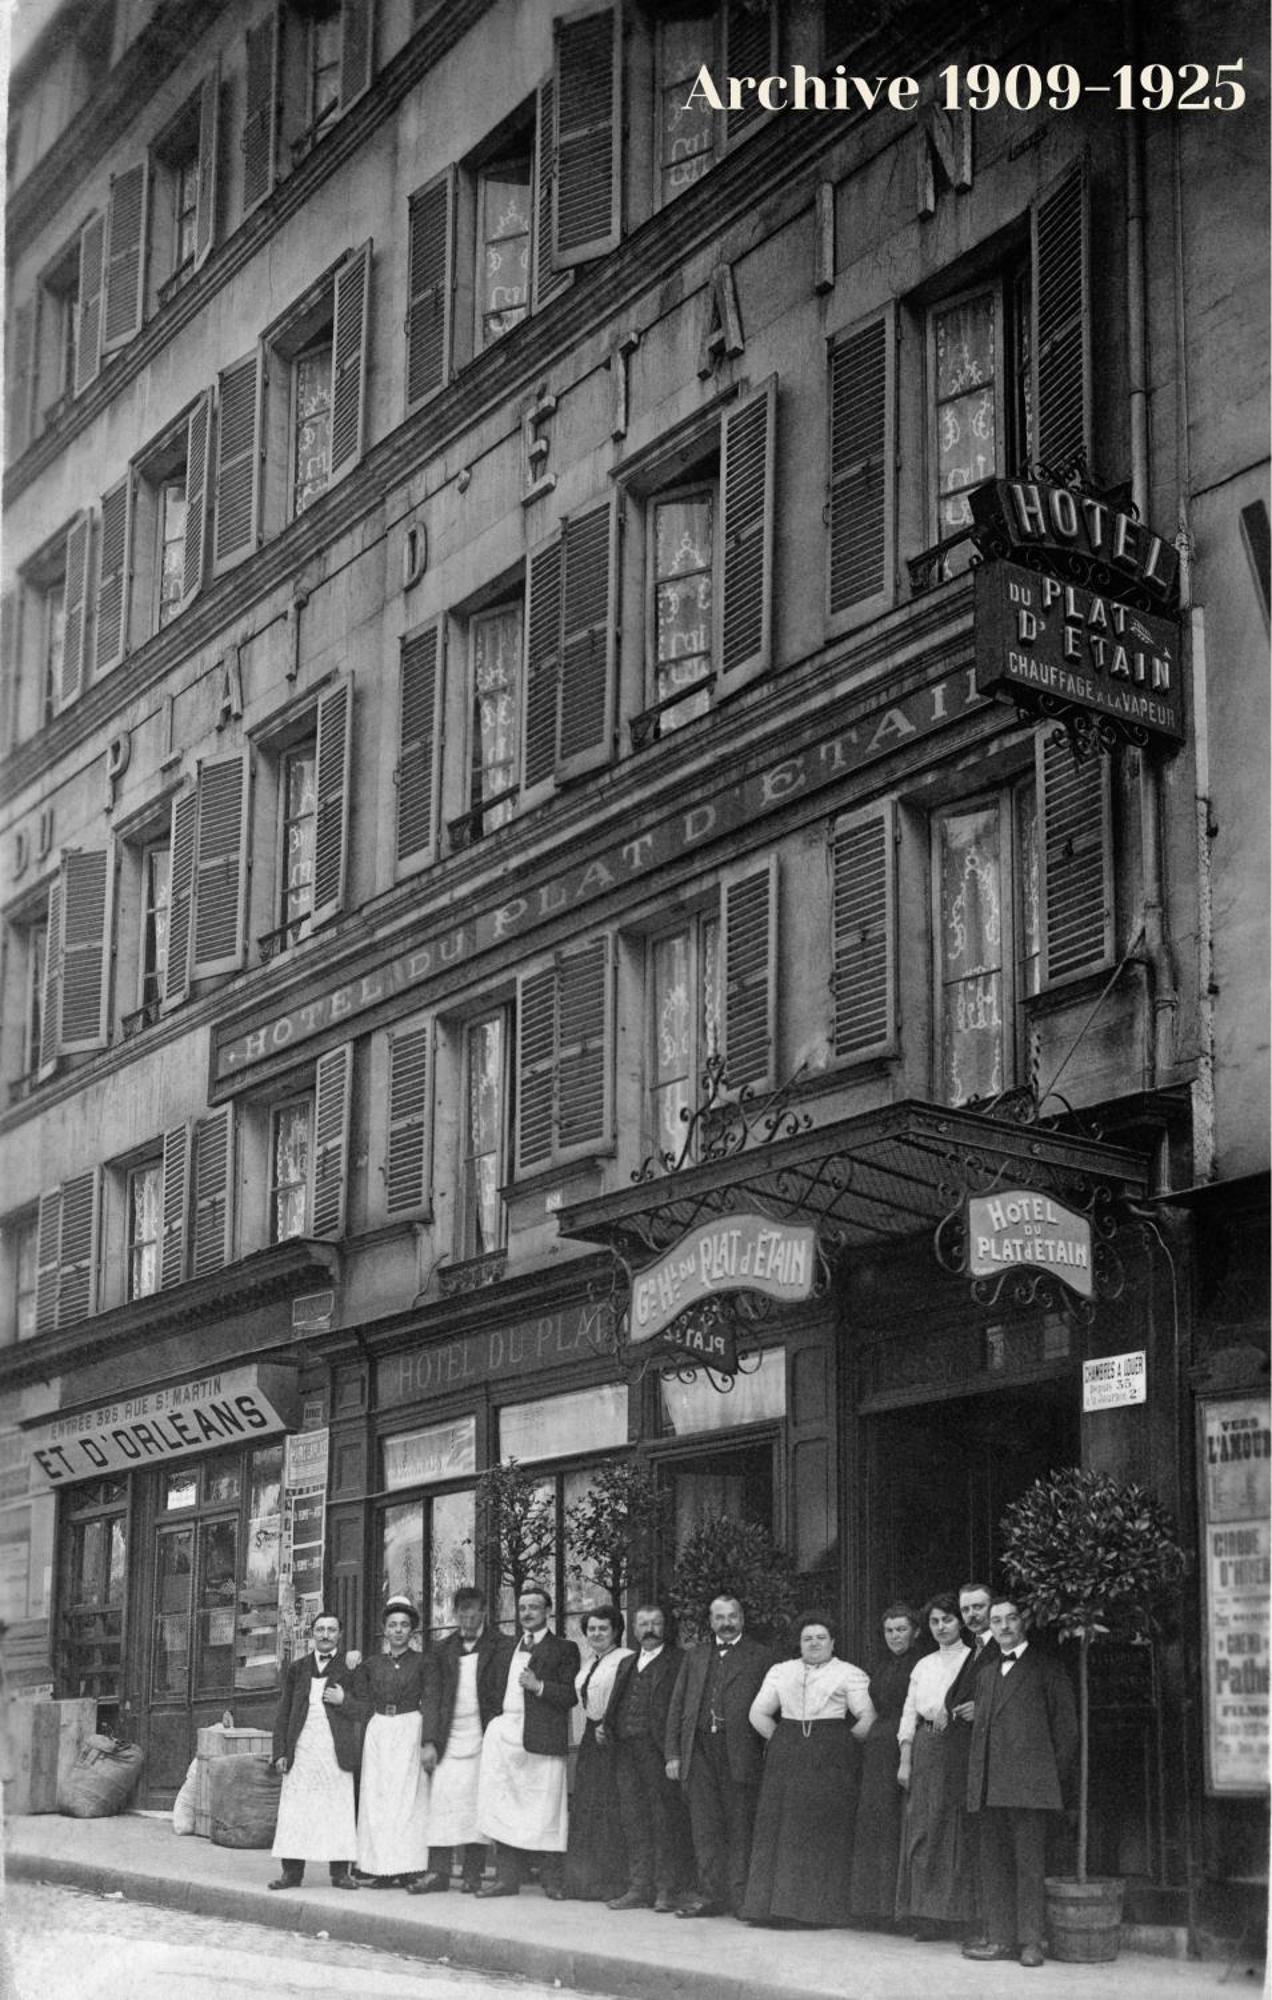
x=452 y=1809
x=315 y=1812
x=521 y=1797
x=393 y=1798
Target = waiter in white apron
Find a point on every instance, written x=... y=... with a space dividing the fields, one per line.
x=521 y=1795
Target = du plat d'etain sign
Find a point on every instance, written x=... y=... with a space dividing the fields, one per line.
x=730 y=1253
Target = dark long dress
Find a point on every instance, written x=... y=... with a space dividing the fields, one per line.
x=596 y=1857
x=880 y=1802
x=935 y=1879
x=801 y=1853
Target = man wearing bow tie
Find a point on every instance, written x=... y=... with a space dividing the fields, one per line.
x=316 y=1751
x=717 y=1756
x=1023 y=1749
x=521 y=1799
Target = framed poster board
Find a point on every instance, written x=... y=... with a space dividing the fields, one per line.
x=1235 y=1489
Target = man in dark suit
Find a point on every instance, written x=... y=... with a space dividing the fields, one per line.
x=717 y=1756
x=650 y=1806
x=974 y=1600
x=465 y=1694
x=521 y=1801
x=316 y=1750
x=1024 y=1743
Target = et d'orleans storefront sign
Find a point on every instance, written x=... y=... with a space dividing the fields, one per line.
x=153 y=1426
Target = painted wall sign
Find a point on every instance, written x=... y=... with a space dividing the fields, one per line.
x=741 y=1253
x=1046 y=637
x=911 y=717
x=1115 y=1381
x=421 y=1458
x=1061 y=523
x=232 y=1406
x=1236 y=1489
x=521 y=1347
x=1020 y=1226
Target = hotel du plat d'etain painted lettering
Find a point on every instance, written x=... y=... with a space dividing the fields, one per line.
x=922 y=711
x=672 y=1298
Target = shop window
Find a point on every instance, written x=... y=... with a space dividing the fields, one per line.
x=758 y=1396
x=93 y=1569
x=216 y=1577
x=565 y=1058
x=427 y=1541
x=144 y=1199
x=308 y=1153
x=558 y=1426
x=485 y=1134
x=735 y=39
x=307 y=760
x=988 y=938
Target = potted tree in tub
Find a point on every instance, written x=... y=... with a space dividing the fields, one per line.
x=1094 y=1558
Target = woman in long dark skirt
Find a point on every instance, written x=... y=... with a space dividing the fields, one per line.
x=876 y=1846
x=935 y=1884
x=596 y=1857
x=813 y=1711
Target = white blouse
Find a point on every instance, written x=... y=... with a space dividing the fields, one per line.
x=930 y=1678
x=601 y=1685
x=800 y=1693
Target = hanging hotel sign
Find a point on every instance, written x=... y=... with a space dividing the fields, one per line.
x=229 y=1406
x=736 y=1253
x=1018 y=1227
x=1080 y=537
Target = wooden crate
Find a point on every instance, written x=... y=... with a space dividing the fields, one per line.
x=220 y=1742
x=47 y=1738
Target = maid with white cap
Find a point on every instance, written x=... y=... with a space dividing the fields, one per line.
x=389 y=1689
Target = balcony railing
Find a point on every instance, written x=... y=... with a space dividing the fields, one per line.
x=469 y=827
x=929 y=567
x=647 y=727
x=282 y=939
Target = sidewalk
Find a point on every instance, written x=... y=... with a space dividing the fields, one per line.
x=583 y=1945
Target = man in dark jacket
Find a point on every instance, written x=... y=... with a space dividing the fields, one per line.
x=717 y=1756
x=466 y=1693
x=974 y=1600
x=521 y=1802
x=316 y=1750
x=1024 y=1743
x=651 y=1808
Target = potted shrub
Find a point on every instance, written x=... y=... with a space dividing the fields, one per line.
x=725 y=1557
x=1094 y=1558
x=611 y=1532
x=516 y=1526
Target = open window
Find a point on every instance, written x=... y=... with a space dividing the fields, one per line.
x=738 y=38
x=307 y=1138
x=308 y=761
x=169 y=521
x=184 y=165
x=315 y=401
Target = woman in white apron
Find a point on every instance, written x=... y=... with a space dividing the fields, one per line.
x=393 y=1796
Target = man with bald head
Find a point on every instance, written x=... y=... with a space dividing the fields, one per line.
x=717 y=1756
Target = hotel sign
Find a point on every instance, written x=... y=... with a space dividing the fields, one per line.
x=1018 y=1228
x=229 y=1406
x=1077 y=535
x=740 y=1253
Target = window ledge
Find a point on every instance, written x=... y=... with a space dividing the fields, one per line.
x=925 y=568
x=646 y=728
x=472 y=1274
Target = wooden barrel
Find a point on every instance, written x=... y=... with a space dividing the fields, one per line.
x=1084 y=1919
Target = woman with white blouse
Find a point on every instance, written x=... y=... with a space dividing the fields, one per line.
x=934 y=1881
x=596 y=1857
x=813 y=1711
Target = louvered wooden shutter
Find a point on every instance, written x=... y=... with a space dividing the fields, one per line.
x=543 y=666
x=260 y=115
x=863 y=933
x=125 y=260
x=79 y=544
x=1075 y=807
x=176 y=1204
x=77 y=1250
x=536 y=1065
x=750 y=49
x=417 y=768
x=349 y=360
x=10 y=690
x=113 y=543
x=237 y=461
x=584 y=992
x=84 y=951
x=547 y=282
x=586 y=174
x=406 y=1165
x=88 y=345
x=1061 y=344
x=176 y=979
x=357 y=49
x=20 y=379
x=750 y=977
x=198 y=467
x=748 y=451
x=585 y=706
x=48 y=1233
x=51 y=988
x=332 y=1082
x=220 y=866
x=861 y=450
x=209 y=166
x=429 y=281
x=212 y=1174
x=331 y=784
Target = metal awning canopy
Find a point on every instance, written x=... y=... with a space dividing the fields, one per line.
x=879 y=1177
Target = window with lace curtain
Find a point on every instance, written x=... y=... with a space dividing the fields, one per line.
x=988 y=937
x=684 y=977
x=495 y=716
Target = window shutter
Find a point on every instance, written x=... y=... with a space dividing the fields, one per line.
x=430 y=250
x=586 y=174
x=417 y=768
x=209 y=167
x=746 y=483
x=110 y=634
x=185 y=809
x=10 y=680
x=585 y=709
x=349 y=360
x=198 y=467
x=1077 y=861
x=18 y=387
x=547 y=282
x=536 y=1061
x=260 y=114
x=220 y=866
x=125 y=264
x=543 y=665
x=77 y=1249
x=176 y=1201
x=237 y=460
x=331 y=1140
x=861 y=454
x=584 y=992
x=357 y=49
x=88 y=346
x=1061 y=344
x=750 y=49
x=79 y=542
x=406 y=1167
x=750 y=978
x=863 y=933
x=48 y=1233
x=212 y=1173
x=84 y=951
x=331 y=828
x=51 y=990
